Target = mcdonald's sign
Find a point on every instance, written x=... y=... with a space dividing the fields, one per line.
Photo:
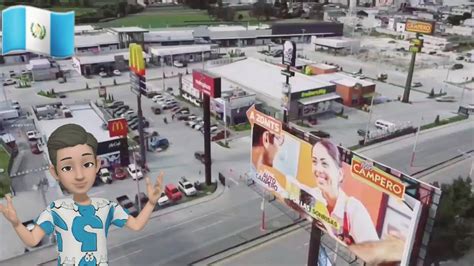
x=136 y=61
x=117 y=127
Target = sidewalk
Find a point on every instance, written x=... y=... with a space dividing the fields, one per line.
x=48 y=254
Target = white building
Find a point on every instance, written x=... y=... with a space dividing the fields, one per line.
x=460 y=30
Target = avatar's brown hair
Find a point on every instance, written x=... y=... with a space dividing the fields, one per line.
x=69 y=135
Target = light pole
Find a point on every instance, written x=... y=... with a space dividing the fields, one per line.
x=416 y=141
x=225 y=120
x=366 y=135
x=136 y=179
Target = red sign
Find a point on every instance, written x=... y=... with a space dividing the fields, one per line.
x=117 y=127
x=207 y=83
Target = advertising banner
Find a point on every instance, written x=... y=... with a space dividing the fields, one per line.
x=289 y=53
x=117 y=127
x=207 y=83
x=356 y=201
x=419 y=26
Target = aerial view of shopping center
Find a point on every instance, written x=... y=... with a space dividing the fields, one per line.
x=225 y=132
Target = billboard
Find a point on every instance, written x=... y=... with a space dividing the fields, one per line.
x=356 y=201
x=207 y=83
x=419 y=26
x=289 y=53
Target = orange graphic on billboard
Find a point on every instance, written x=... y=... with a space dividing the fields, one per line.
x=256 y=117
x=117 y=127
x=377 y=178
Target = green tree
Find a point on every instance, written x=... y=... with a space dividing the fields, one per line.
x=466 y=15
x=455 y=20
x=240 y=17
x=453 y=231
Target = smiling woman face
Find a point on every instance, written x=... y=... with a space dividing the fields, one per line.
x=326 y=171
x=76 y=168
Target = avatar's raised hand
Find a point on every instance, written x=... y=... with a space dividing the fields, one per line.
x=9 y=211
x=154 y=191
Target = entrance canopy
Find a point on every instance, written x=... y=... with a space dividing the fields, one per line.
x=320 y=98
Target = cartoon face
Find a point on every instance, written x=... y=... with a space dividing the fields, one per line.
x=88 y=260
x=76 y=168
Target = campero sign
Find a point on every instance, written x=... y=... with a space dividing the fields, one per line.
x=353 y=199
x=419 y=26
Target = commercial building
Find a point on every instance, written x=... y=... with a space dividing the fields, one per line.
x=187 y=53
x=317 y=69
x=309 y=95
x=107 y=61
x=95 y=42
x=43 y=69
x=353 y=91
x=47 y=118
x=169 y=36
x=336 y=44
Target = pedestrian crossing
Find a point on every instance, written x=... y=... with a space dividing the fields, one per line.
x=29 y=171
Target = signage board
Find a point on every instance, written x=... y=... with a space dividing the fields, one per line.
x=207 y=83
x=312 y=93
x=117 y=127
x=353 y=199
x=138 y=83
x=420 y=26
x=289 y=53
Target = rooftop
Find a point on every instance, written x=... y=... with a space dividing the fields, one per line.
x=169 y=35
x=343 y=79
x=323 y=66
x=89 y=40
x=265 y=78
x=179 y=49
x=81 y=28
x=83 y=115
x=104 y=57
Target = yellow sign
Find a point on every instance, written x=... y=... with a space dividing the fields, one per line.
x=419 y=26
x=136 y=61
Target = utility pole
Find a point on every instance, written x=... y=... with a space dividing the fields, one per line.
x=138 y=183
x=225 y=120
x=416 y=141
x=366 y=135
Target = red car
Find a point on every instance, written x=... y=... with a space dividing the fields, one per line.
x=35 y=149
x=119 y=173
x=172 y=192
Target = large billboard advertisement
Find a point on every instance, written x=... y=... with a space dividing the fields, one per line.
x=419 y=26
x=207 y=83
x=353 y=199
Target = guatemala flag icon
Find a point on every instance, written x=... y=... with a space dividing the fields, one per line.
x=36 y=30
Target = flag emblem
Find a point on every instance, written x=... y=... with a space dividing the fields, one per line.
x=38 y=30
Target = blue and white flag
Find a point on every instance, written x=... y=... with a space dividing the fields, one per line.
x=36 y=30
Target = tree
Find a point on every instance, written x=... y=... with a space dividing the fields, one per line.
x=455 y=20
x=466 y=15
x=453 y=231
x=240 y=17
x=436 y=120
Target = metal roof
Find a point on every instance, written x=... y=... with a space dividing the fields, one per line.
x=320 y=98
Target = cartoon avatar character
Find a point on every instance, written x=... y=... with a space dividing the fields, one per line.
x=74 y=163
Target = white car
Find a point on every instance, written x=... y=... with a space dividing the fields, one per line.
x=16 y=105
x=127 y=114
x=178 y=64
x=157 y=98
x=117 y=72
x=8 y=82
x=102 y=74
x=134 y=171
x=187 y=188
x=32 y=135
x=198 y=126
x=163 y=200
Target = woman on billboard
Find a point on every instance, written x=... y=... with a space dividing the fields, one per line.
x=345 y=217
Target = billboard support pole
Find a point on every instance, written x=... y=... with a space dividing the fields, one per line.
x=207 y=139
x=262 y=207
x=406 y=93
x=314 y=245
x=285 y=111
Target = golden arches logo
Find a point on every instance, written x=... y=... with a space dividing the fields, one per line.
x=136 y=61
x=117 y=126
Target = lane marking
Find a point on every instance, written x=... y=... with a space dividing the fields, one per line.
x=126 y=255
x=207 y=226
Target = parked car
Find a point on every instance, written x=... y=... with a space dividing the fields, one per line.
x=143 y=199
x=8 y=82
x=176 y=108
x=157 y=109
x=163 y=200
x=105 y=176
x=187 y=188
x=169 y=89
x=219 y=135
x=200 y=156
x=61 y=80
x=182 y=110
x=446 y=99
x=127 y=204
x=117 y=72
x=157 y=97
x=131 y=118
x=182 y=116
x=120 y=173
x=120 y=112
x=416 y=84
x=127 y=113
x=172 y=192
x=16 y=105
x=457 y=66
x=134 y=172
x=213 y=128
x=115 y=104
x=32 y=135
x=361 y=132
x=152 y=94
x=35 y=147
x=460 y=57
x=103 y=74
x=133 y=125
x=177 y=63
x=320 y=134
x=170 y=105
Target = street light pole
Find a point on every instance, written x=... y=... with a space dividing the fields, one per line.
x=366 y=135
x=416 y=141
x=225 y=120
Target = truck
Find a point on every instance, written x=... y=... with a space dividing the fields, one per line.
x=9 y=114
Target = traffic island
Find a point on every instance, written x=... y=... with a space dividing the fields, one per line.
x=50 y=94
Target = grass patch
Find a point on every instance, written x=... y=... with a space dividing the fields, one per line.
x=161 y=19
x=5 y=181
x=223 y=144
x=444 y=122
x=302 y=124
x=241 y=127
x=48 y=94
